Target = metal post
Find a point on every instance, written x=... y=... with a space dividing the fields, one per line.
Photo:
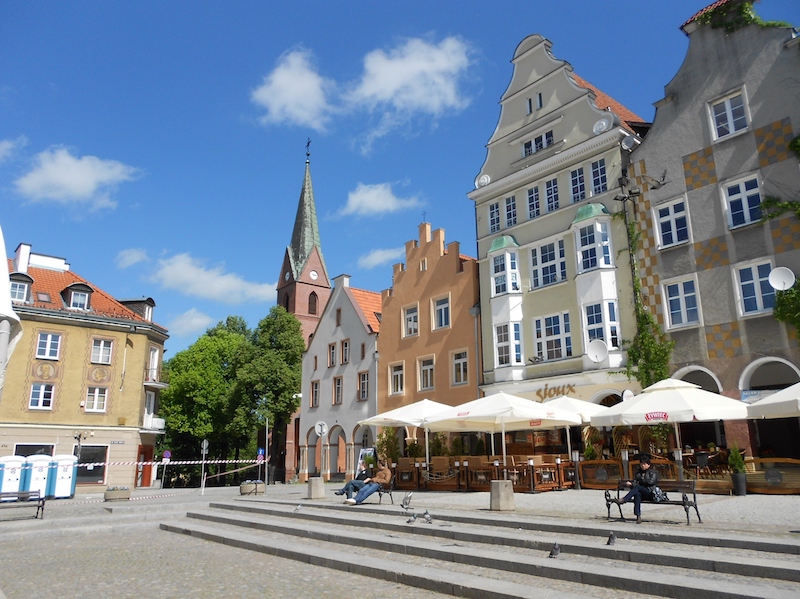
x=533 y=476
x=576 y=456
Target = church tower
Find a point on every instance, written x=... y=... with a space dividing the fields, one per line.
x=303 y=286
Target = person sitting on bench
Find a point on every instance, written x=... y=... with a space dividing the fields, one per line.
x=382 y=477
x=641 y=486
x=355 y=485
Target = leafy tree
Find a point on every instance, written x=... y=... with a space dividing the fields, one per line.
x=787 y=303
x=387 y=445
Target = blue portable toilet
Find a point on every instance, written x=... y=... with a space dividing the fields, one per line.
x=11 y=473
x=36 y=473
x=63 y=476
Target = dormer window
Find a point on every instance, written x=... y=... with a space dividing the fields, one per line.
x=148 y=313
x=19 y=291
x=79 y=300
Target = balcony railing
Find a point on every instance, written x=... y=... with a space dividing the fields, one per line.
x=152 y=378
x=154 y=423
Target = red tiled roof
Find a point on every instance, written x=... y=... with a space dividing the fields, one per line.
x=604 y=101
x=370 y=304
x=53 y=282
x=708 y=8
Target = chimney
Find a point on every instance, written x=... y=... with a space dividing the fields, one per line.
x=341 y=281
x=22 y=257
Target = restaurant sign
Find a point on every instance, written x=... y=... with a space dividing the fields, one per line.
x=549 y=392
x=650 y=416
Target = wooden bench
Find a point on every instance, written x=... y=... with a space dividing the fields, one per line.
x=23 y=499
x=669 y=487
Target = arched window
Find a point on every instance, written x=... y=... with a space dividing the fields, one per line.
x=312 y=303
x=286 y=302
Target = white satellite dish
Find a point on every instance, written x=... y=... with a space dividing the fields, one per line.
x=603 y=125
x=597 y=350
x=781 y=278
x=321 y=428
x=629 y=142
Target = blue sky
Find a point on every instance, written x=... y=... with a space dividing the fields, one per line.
x=159 y=146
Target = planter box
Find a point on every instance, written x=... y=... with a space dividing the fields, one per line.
x=252 y=489
x=122 y=495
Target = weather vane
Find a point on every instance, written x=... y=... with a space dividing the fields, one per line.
x=423 y=216
x=308 y=148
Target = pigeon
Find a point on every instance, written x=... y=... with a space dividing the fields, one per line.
x=297 y=509
x=555 y=551
x=612 y=539
x=412 y=519
x=428 y=517
x=406 y=503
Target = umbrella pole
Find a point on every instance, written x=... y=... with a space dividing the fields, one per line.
x=569 y=444
x=503 y=429
x=427 y=448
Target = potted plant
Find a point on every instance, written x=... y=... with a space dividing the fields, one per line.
x=736 y=464
x=117 y=493
x=590 y=453
x=252 y=487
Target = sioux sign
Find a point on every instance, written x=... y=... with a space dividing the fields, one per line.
x=547 y=392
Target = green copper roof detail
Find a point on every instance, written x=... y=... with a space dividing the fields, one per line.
x=502 y=242
x=590 y=211
x=306 y=230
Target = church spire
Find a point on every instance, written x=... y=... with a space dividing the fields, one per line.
x=305 y=235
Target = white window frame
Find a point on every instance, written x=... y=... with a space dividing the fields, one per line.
x=511 y=211
x=732 y=124
x=441 y=313
x=331 y=355
x=601 y=321
x=577 y=185
x=534 y=207
x=494 y=217
x=101 y=351
x=743 y=198
x=346 y=351
x=553 y=337
x=42 y=394
x=551 y=194
x=680 y=302
x=52 y=346
x=596 y=248
x=79 y=300
x=460 y=368
x=410 y=321
x=543 y=261
x=505 y=273
x=426 y=371
x=338 y=390
x=314 y=394
x=396 y=379
x=19 y=291
x=96 y=399
x=363 y=386
x=508 y=344
x=148 y=313
x=670 y=219
x=762 y=291
x=599 y=177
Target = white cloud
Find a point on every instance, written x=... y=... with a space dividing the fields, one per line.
x=59 y=176
x=295 y=93
x=190 y=277
x=190 y=322
x=131 y=256
x=416 y=76
x=9 y=146
x=381 y=257
x=370 y=200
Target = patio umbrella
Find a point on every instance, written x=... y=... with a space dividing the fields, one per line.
x=783 y=404
x=415 y=414
x=500 y=412
x=584 y=409
x=672 y=401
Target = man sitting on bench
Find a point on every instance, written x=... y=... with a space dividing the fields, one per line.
x=381 y=477
x=641 y=486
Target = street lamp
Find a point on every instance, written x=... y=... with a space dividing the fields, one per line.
x=79 y=436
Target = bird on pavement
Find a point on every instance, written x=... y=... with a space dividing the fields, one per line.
x=297 y=509
x=555 y=551
x=612 y=539
x=428 y=517
x=412 y=519
x=406 y=503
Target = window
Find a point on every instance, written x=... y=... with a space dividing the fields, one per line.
x=508 y=341
x=345 y=352
x=79 y=300
x=538 y=143
x=460 y=368
x=594 y=246
x=363 y=386
x=363 y=350
x=527 y=148
x=312 y=303
x=315 y=362
x=578 y=185
x=397 y=379
x=19 y=291
x=529 y=104
x=594 y=321
x=744 y=202
x=47 y=348
x=338 y=383
x=412 y=321
x=681 y=299
x=494 y=217
x=533 y=202
x=601 y=323
x=101 y=351
x=331 y=355
x=673 y=225
x=553 y=339
x=96 y=399
x=148 y=313
x=548 y=264
x=539 y=103
x=504 y=270
x=511 y=211
x=551 y=191
x=423 y=265
x=441 y=309
x=41 y=396
x=338 y=317
x=757 y=295
x=729 y=115
x=91 y=454
x=599 y=180
x=426 y=374
x=315 y=394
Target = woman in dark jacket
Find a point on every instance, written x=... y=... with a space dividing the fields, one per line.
x=354 y=486
x=641 y=486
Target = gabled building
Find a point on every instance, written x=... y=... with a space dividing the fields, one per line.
x=340 y=380
x=719 y=146
x=430 y=327
x=555 y=280
x=85 y=376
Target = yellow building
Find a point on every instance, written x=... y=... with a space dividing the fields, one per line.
x=84 y=378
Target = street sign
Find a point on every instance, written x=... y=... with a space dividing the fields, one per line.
x=204 y=446
x=321 y=428
x=165 y=461
x=260 y=458
x=260 y=451
x=167 y=454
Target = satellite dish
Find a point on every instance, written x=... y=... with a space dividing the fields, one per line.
x=629 y=142
x=321 y=428
x=603 y=125
x=781 y=278
x=597 y=350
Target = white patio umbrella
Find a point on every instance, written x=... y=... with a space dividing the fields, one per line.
x=672 y=401
x=500 y=412
x=584 y=409
x=782 y=404
x=415 y=414
x=10 y=327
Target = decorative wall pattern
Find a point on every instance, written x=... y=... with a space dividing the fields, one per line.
x=772 y=142
x=785 y=234
x=711 y=253
x=648 y=248
x=699 y=169
x=723 y=340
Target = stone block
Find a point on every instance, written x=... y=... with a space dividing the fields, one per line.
x=316 y=488
x=502 y=496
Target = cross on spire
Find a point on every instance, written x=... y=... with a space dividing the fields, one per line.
x=308 y=149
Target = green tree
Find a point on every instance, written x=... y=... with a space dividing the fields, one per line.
x=387 y=445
